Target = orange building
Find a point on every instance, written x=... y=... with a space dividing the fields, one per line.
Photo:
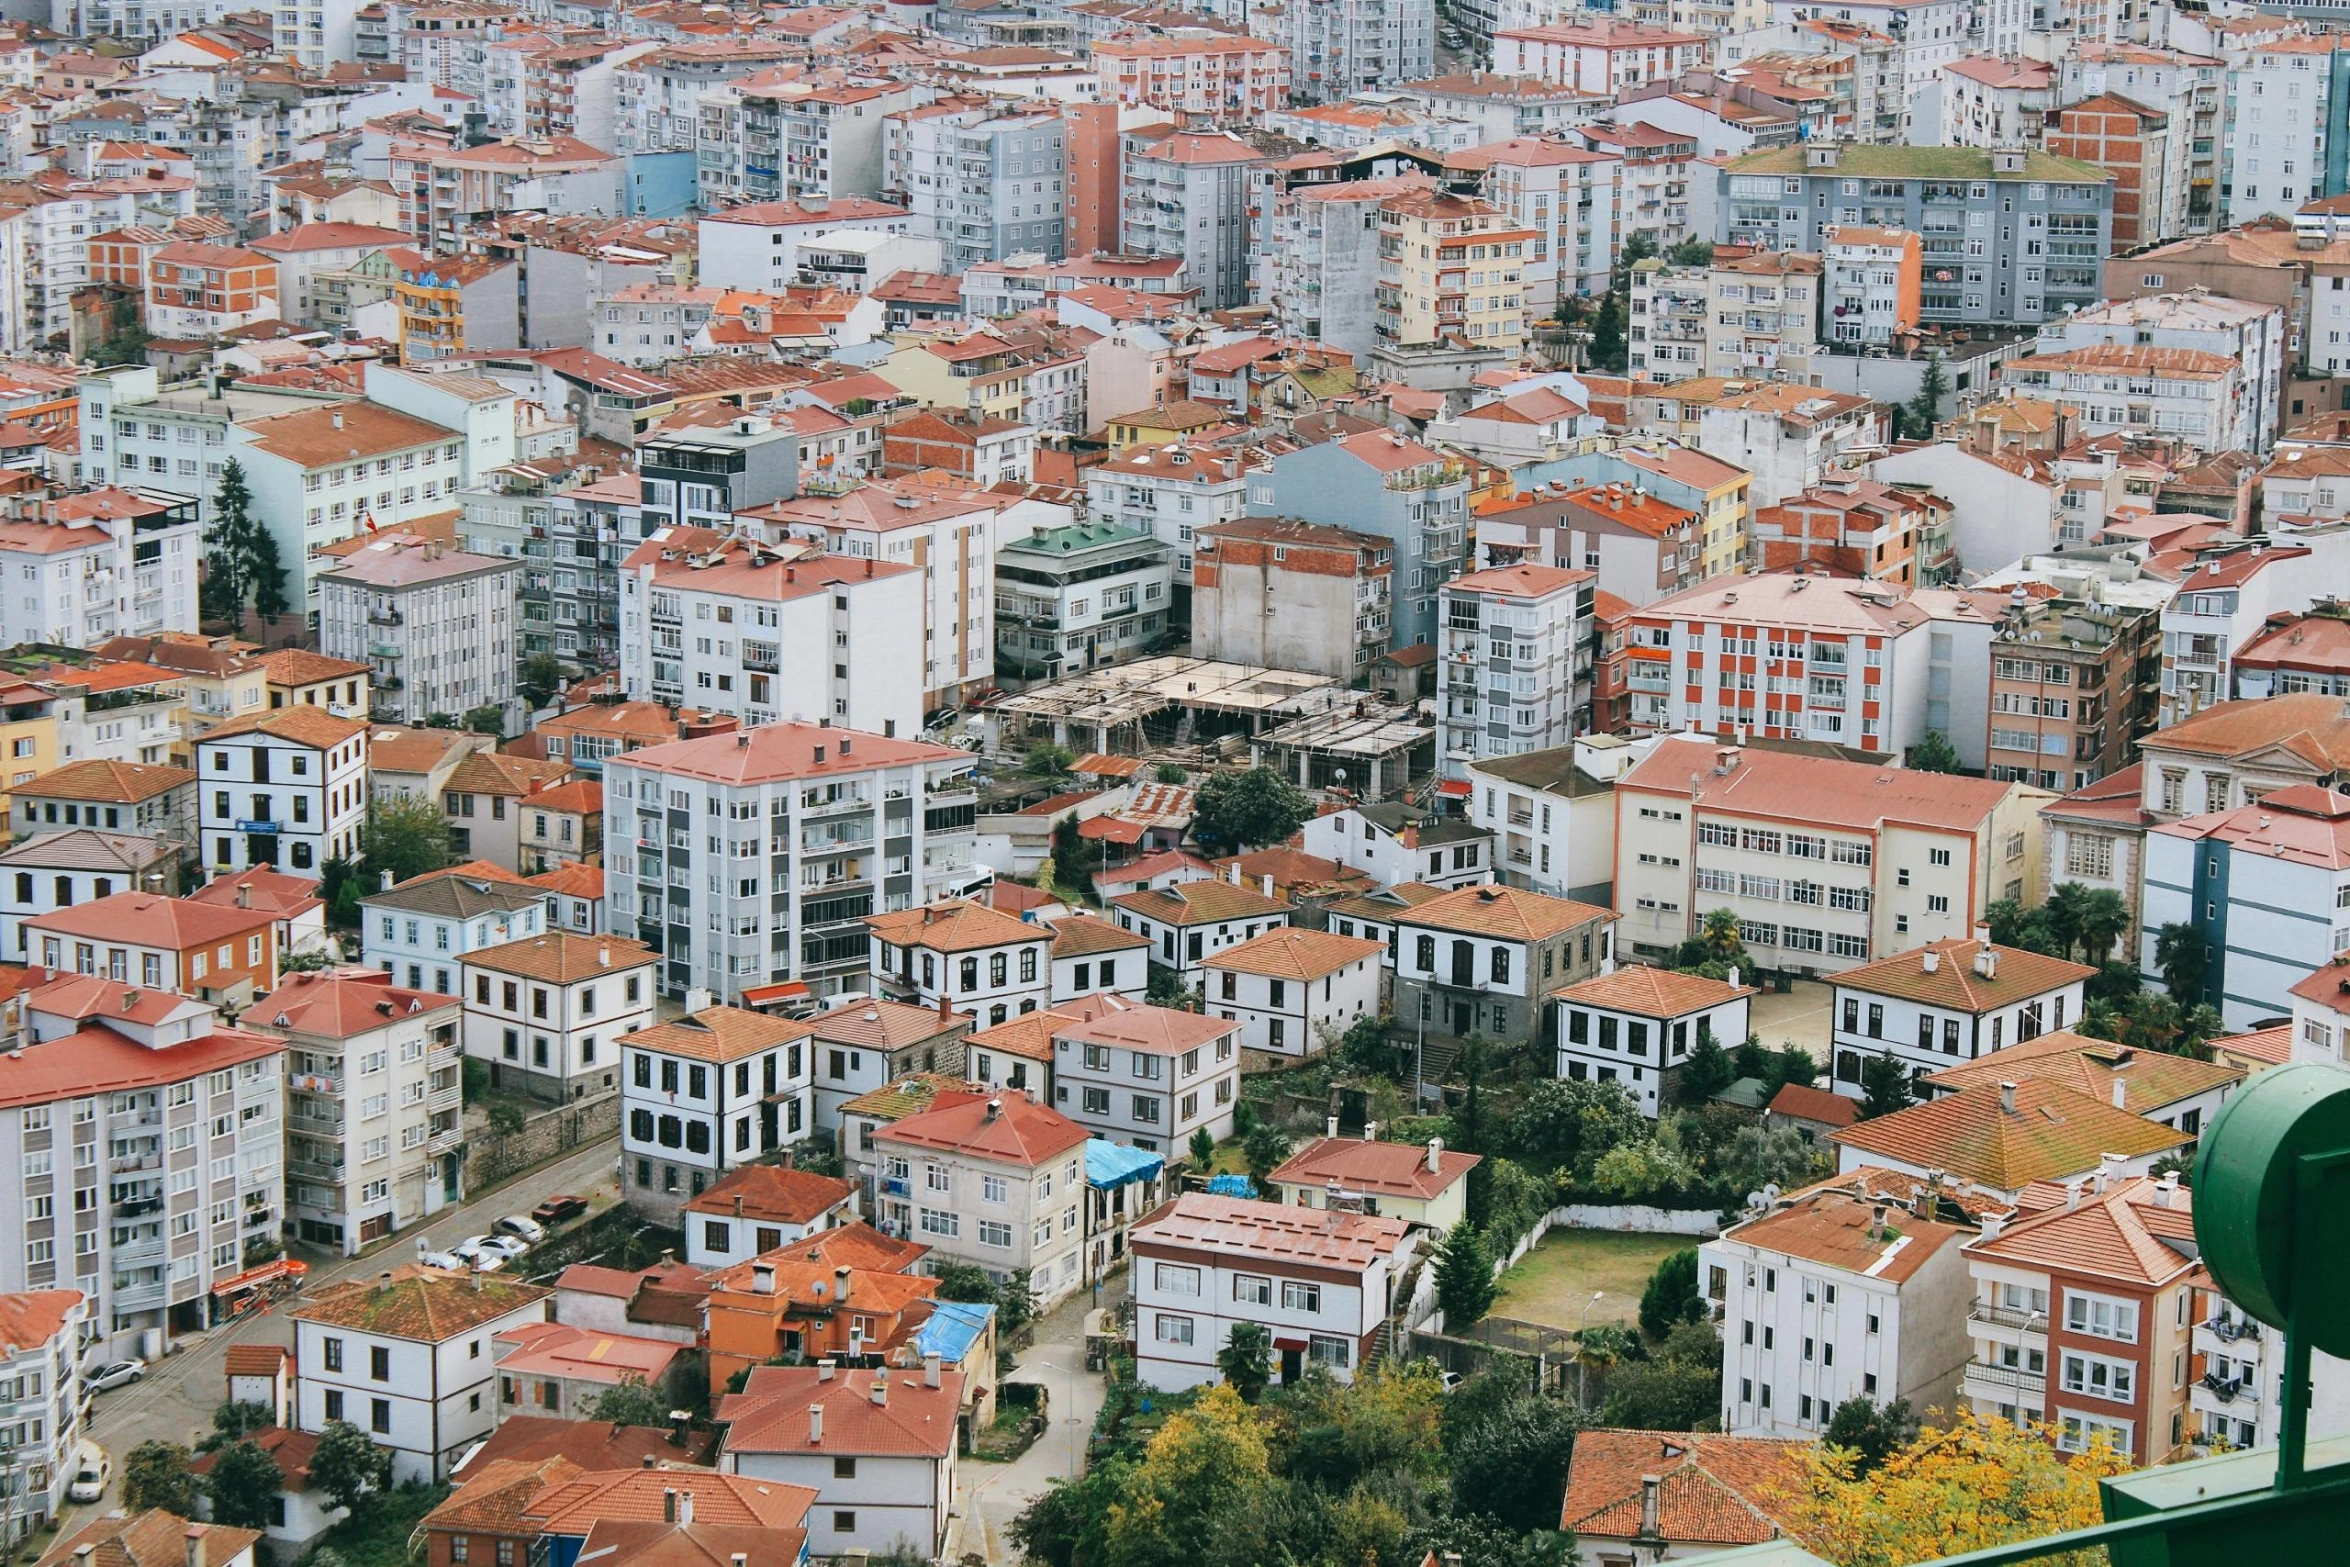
x=213 y=952
x=121 y=256
x=1875 y=283
x=2134 y=144
x=841 y=1293
x=1193 y=73
x=204 y=290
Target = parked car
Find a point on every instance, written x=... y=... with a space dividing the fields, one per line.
x=89 y=1480
x=507 y=1247
x=441 y=1260
x=558 y=1208
x=121 y=1373
x=530 y=1230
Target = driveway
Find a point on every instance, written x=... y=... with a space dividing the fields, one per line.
x=992 y=1495
x=1799 y=1017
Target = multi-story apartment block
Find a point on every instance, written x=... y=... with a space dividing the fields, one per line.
x=1148 y=1076
x=2145 y=152
x=818 y=135
x=284 y=787
x=1761 y=308
x=1949 y=1001
x=821 y=827
x=2283 y=126
x=149 y=1143
x=701 y=475
x=876 y=1453
x=1669 y=312
x=1567 y=195
x=1080 y=597
x=995 y=1181
x=114 y=563
x=707 y=1092
x=407 y=1357
x=47 y=1332
x=420 y=930
x=2082 y=1334
x=1291 y=595
x=1322 y=1282
x=1170 y=492
x=717 y=620
x=1480 y=960
x=196 y=290
x=2163 y=328
x=1604 y=1026
x=2224 y=599
x=1514 y=662
x=1553 y=816
x=1429 y=287
x=1834 y=1295
x=2069 y=691
x=1338 y=48
x=1991 y=100
x=1187 y=195
x=543 y=1012
x=1826 y=863
x=435 y=627
x=1599 y=54
x=1389 y=486
x=1319 y=268
x=1875 y=283
x=2296 y=652
x=985 y=183
x=374 y=1115
x=1193 y=71
x=2046 y=258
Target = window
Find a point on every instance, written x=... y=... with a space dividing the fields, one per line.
x=1296 y=1296
x=2100 y=1316
x=1176 y=1279
x=1174 y=1330
x=2100 y=1377
x=1250 y=1289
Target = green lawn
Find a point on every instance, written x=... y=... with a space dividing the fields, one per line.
x=1553 y=1283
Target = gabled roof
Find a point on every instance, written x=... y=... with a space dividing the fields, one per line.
x=117 y=783
x=497 y=1491
x=1148 y=1029
x=1287 y=953
x=719 y=1034
x=588 y=1445
x=328 y=1005
x=1082 y=935
x=145 y=920
x=1270 y=1232
x=303 y=723
x=1652 y=992
x=1840 y=1229
x=912 y=1420
x=460 y=892
x=1378 y=1168
x=1507 y=913
x=644 y=1495
x=153 y=1538
x=2147 y=1080
x=425 y=1304
x=1204 y=902
x=954 y=925
x=2137 y=1231
x=563 y=957
x=1718 y=1491
x=1947 y=974
x=771 y=1191
x=2046 y=1132
x=1003 y=1128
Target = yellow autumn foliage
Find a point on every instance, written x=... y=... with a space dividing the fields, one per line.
x=1971 y=1485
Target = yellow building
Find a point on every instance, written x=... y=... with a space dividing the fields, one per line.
x=438 y=294
x=28 y=732
x=1450 y=267
x=977 y=371
x=1162 y=424
x=1727 y=505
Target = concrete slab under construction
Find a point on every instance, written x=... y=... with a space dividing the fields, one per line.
x=1365 y=747
x=1128 y=709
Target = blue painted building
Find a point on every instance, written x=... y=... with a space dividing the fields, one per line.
x=1389 y=486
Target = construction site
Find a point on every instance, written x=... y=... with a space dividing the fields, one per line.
x=1200 y=714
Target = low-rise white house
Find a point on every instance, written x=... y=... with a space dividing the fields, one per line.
x=1149 y=1076
x=705 y=1092
x=286 y=787
x=1480 y=960
x=421 y=930
x=1947 y=1002
x=1321 y=1282
x=1288 y=987
x=993 y=1180
x=1637 y=1025
x=1395 y=842
x=877 y=1447
x=1186 y=922
x=60 y=869
x=545 y=1012
x=1836 y=1295
x=758 y=1207
x=1092 y=954
x=964 y=956
x=407 y=1357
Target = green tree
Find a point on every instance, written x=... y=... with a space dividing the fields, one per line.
x=1265 y=1147
x=487 y=719
x=1871 y=1431
x=231 y=1422
x=1506 y=1451
x=540 y=677
x=1608 y=350
x=1933 y=754
x=1663 y=1395
x=1671 y=1297
x=1465 y=1286
x=405 y=837
x=1246 y=1360
x=630 y=1402
x=1718 y=931
x=1170 y=773
x=1925 y=409
x=507 y=1118
x=1202 y=1148
x=267 y=574
x=1048 y=761
x=1780 y=1157
x=1791 y=1063
x=1598 y=1348
x=228 y=548
x=965 y=1282
x=1198 y=1493
x=127 y=346
x=1707 y=1071
x=1015 y=1301
x=1884 y=1086
x=1255 y=808
x=1694 y=251
x=2179 y=957
x=1641 y=246
x=243 y=1483
x=2061 y=914
x=1068 y=1525
x=2104 y=918
x=346 y=1466
x=155 y=1474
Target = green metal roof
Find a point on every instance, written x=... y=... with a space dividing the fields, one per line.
x=1919 y=163
x=1078 y=537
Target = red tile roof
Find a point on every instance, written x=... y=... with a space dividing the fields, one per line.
x=914 y=1420
x=769 y=1191
x=1718 y=1491
x=1002 y=1128
x=1385 y=1169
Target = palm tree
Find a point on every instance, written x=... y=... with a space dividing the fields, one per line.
x=2179 y=957
x=2103 y=918
x=1719 y=932
x=2062 y=913
x=1596 y=1349
x=1247 y=1360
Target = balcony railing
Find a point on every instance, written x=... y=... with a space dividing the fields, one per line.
x=2007 y=1377
x=2008 y=1317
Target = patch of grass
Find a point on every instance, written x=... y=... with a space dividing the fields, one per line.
x=376 y=1535
x=1554 y=1282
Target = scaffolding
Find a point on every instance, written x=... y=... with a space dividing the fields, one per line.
x=1360 y=747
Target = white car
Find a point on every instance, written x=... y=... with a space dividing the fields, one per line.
x=530 y=1231
x=441 y=1260
x=120 y=1373
x=507 y=1246
x=89 y=1480
x=470 y=1247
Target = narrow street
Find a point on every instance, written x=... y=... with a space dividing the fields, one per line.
x=175 y=1401
x=992 y=1495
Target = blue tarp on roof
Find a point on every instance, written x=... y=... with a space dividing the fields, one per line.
x=1231 y=1186
x=954 y=1326
x=1109 y=1165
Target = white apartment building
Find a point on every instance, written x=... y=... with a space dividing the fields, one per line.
x=751 y=247
x=1669 y=311
x=878 y=1448
x=146 y=1143
x=375 y=1110
x=434 y=626
x=1322 y=1282
x=1553 y=815
x=1637 y=1025
x=1599 y=54
x=2277 y=125
x=832 y=824
x=1569 y=196
x=99 y=565
x=2222 y=603
x=407 y=1357
x=420 y=931
x=1338 y=48
x=1170 y=182
x=1289 y=989
x=1148 y=1076
x=1169 y=492
x=1763 y=307
x=993 y=1180
x=962 y=956
x=862 y=1049
x=1834 y=1295
x=2255 y=335
x=1859 y=664
x=1826 y=863
x=1092 y=955
x=46 y=1332
x=706 y=1092
x=1946 y=1002
x=983 y=181
x=1866 y=284
x=544 y=1012
x=717 y=622
x=286 y=787
x=2198 y=398
x=1514 y=662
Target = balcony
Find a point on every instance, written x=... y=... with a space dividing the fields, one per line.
x=386 y=617
x=2008 y=1320
x=2002 y=1384
x=330 y=1171
x=2227 y=1389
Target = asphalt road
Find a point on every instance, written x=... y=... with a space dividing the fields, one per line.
x=175 y=1401
x=990 y=1496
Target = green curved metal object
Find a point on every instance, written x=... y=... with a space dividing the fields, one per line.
x=2250 y=1190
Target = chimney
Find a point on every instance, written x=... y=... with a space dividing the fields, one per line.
x=995 y=1110
x=1733 y=975
x=1651 y=1486
x=1982 y=934
x=1370 y=1131
x=338 y=423
x=2007 y=1098
x=1435 y=1154
x=2121 y=1094
x=244 y=895
x=840 y=1286
x=1330 y=1126
x=2109 y=1169
x=738 y=1205
x=1992 y=1224
x=930 y=1371
x=946 y=1008
x=677 y=1424
x=1876 y=1221
x=762 y=1278
x=824 y=1370
x=2072 y=1195
x=2166 y=1190
x=384 y=882
x=880 y=1388
x=648 y=1463
x=1921 y=1203
x=668 y=1504
x=685 y=1506
x=383 y=1280
x=1930 y=961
